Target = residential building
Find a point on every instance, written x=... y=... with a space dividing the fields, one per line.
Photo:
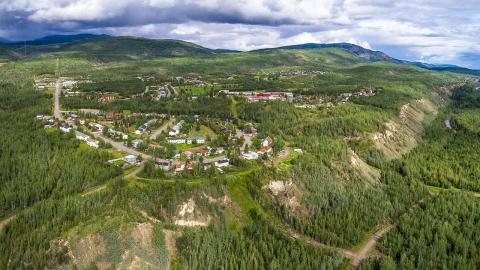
x=225 y=162
x=137 y=143
x=131 y=159
x=176 y=140
x=165 y=165
x=250 y=155
x=65 y=128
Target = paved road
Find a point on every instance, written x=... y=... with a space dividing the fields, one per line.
x=56 y=100
x=161 y=129
x=121 y=147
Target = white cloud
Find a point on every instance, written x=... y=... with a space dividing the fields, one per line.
x=434 y=30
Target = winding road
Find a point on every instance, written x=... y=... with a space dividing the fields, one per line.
x=369 y=245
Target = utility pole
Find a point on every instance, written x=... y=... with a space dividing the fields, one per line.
x=25 y=49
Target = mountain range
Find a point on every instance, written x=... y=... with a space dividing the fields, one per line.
x=106 y=48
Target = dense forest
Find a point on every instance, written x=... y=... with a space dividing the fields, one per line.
x=338 y=188
x=442 y=233
x=259 y=246
x=41 y=164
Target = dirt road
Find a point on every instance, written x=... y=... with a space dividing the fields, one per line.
x=161 y=129
x=369 y=245
x=345 y=252
x=137 y=171
x=5 y=221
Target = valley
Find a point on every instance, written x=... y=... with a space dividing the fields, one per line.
x=128 y=153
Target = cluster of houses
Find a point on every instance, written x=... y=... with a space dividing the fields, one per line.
x=179 y=140
x=66 y=128
x=177 y=166
x=259 y=96
x=363 y=92
x=163 y=91
x=264 y=150
x=48 y=118
x=102 y=97
x=293 y=72
x=192 y=80
x=43 y=83
x=111 y=132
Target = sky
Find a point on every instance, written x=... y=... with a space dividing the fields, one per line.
x=433 y=31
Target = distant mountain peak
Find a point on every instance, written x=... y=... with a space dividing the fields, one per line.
x=356 y=50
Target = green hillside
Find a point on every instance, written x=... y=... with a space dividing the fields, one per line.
x=6 y=54
x=124 y=48
x=356 y=150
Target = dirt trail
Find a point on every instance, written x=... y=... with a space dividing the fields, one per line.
x=137 y=171
x=369 y=245
x=102 y=187
x=345 y=252
x=96 y=189
x=171 y=243
x=4 y=222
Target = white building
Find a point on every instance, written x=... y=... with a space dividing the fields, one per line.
x=65 y=128
x=176 y=129
x=176 y=140
x=118 y=133
x=225 y=162
x=81 y=136
x=137 y=143
x=93 y=143
x=131 y=159
x=165 y=165
x=250 y=155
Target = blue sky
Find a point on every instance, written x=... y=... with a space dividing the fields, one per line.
x=434 y=31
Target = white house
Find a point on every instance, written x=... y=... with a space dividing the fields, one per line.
x=118 y=133
x=93 y=143
x=131 y=159
x=200 y=140
x=136 y=143
x=298 y=150
x=176 y=140
x=65 y=128
x=250 y=155
x=80 y=136
x=225 y=162
x=141 y=130
x=165 y=165
x=176 y=129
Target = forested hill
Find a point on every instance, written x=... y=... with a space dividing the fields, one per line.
x=356 y=50
x=6 y=54
x=106 y=48
x=137 y=47
x=111 y=48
